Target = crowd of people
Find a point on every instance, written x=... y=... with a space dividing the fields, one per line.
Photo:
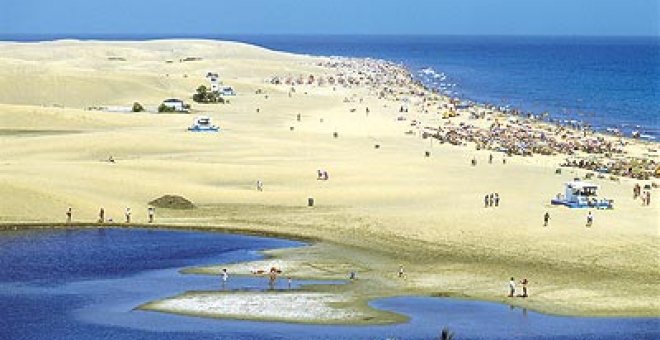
x=508 y=130
x=351 y=72
x=642 y=169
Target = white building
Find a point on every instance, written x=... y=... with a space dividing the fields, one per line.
x=176 y=104
x=214 y=80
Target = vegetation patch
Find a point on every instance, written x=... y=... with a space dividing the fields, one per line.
x=172 y=202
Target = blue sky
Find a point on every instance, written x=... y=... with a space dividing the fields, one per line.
x=217 y=17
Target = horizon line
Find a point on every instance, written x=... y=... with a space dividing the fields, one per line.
x=211 y=35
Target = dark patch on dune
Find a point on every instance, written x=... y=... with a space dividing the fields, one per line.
x=172 y=202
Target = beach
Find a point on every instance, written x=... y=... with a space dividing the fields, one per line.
x=401 y=187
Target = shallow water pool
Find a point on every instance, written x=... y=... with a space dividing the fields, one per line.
x=85 y=284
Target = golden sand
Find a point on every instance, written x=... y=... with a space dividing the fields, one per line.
x=380 y=207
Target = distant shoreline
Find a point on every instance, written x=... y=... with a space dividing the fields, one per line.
x=594 y=111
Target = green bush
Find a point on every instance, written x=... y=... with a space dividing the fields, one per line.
x=137 y=107
x=203 y=95
x=165 y=108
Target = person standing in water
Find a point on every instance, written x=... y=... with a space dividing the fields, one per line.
x=272 y=277
x=225 y=276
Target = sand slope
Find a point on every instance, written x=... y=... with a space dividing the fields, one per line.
x=426 y=213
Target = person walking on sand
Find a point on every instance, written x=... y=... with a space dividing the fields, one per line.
x=151 y=211
x=491 y=199
x=648 y=197
x=128 y=215
x=486 y=201
x=643 y=195
x=497 y=199
x=546 y=219
x=260 y=185
x=524 y=283
x=590 y=219
x=512 y=287
x=402 y=273
x=474 y=161
x=490 y=159
x=101 y=215
x=636 y=191
x=69 y=213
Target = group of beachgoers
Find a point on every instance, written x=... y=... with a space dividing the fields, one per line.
x=272 y=274
x=510 y=131
x=151 y=214
x=349 y=73
x=492 y=200
x=645 y=195
x=642 y=169
x=322 y=175
x=521 y=138
x=512 y=288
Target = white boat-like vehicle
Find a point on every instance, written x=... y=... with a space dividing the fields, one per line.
x=203 y=124
x=580 y=194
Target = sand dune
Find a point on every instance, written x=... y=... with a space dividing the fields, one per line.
x=425 y=212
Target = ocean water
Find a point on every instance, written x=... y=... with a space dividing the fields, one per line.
x=607 y=82
x=85 y=284
x=604 y=81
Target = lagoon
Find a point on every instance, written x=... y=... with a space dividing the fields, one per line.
x=86 y=284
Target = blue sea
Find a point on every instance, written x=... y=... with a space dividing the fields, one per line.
x=607 y=82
